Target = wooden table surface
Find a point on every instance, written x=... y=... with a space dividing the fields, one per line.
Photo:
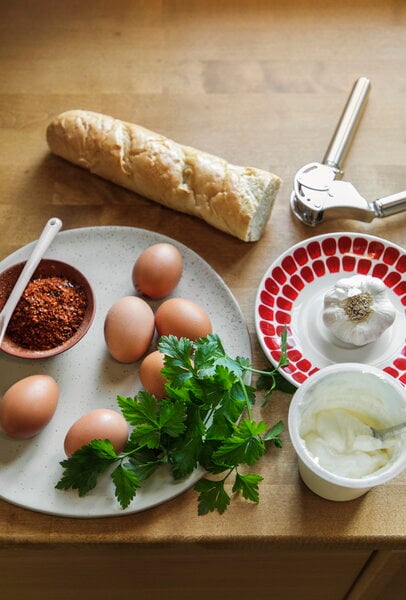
x=258 y=83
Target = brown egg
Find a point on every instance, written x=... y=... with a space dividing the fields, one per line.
x=28 y=406
x=183 y=318
x=129 y=328
x=150 y=374
x=98 y=424
x=157 y=270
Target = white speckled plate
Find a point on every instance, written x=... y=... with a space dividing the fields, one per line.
x=89 y=378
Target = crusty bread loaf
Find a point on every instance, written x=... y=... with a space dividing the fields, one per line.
x=237 y=200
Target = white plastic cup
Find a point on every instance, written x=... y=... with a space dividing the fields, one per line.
x=356 y=379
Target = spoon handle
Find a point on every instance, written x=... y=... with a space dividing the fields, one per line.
x=49 y=232
x=383 y=433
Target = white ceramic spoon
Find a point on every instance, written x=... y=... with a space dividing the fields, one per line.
x=49 y=232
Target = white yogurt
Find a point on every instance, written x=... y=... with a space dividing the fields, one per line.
x=336 y=420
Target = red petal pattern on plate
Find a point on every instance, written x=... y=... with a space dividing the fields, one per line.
x=359 y=246
x=329 y=246
x=267 y=328
x=390 y=255
x=297 y=282
x=314 y=250
x=400 y=363
x=284 y=304
x=319 y=268
x=289 y=292
x=300 y=255
x=401 y=264
x=307 y=274
x=279 y=275
x=265 y=313
x=271 y=286
x=304 y=365
x=333 y=264
x=379 y=270
x=391 y=371
x=364 y=265
x=309 y=262
x=392 y=278
x=400 y=289
x=344 y=244
x=267 y=298
x=282 y=317
x=272 y=343
x=375 y=249
x=294 y=355
x=289 y=265
x=349 y=263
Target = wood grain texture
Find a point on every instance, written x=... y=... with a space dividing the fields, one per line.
x=260 y=83
x=383 y=577
x=175 y=572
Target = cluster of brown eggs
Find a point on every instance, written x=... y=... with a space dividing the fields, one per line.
x=130 y=326
x=129 y=329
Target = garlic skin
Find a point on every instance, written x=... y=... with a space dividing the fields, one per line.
x=357 y=309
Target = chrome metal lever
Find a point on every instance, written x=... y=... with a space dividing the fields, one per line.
x=390 y=205
x=347 y=125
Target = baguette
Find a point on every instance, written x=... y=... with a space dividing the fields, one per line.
x=236 y=200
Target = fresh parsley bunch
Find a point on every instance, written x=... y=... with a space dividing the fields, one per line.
x=205 y=420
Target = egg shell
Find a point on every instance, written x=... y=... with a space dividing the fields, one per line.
x=150 y=374
x=28 y=406
x=182 y=318
x=157 y=270
x=98 y=424
x=129 y=327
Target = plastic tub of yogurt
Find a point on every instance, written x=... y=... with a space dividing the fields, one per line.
x=329 y=424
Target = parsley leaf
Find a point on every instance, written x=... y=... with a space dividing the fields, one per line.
x=273 y=434
x=212 y=496
x=126 y=483
x=172 y=416
x=248 y=486
x=82 y=469
x=152 y=418
x=178 y=367
x=144 y=462
x=141 y=410
x=244 y=446
x=184 y=452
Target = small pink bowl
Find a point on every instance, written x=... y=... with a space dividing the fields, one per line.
x=47 y=268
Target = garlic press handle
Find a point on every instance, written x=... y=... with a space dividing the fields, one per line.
x=347 y=126
x=390 y=205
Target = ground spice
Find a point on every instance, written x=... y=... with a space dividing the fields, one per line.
x=49 y=312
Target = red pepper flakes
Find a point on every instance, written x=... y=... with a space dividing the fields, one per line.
x=49 y=312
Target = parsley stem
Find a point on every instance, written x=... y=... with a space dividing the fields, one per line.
x=268 y=373
x=247 y=400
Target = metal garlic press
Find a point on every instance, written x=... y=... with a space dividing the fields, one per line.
x=319 y=193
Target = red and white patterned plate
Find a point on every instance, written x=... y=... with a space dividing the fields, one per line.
x=292 y=291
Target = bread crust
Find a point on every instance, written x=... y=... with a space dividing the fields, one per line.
x=236 y=200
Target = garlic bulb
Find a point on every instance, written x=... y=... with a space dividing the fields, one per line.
x=357 y=309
